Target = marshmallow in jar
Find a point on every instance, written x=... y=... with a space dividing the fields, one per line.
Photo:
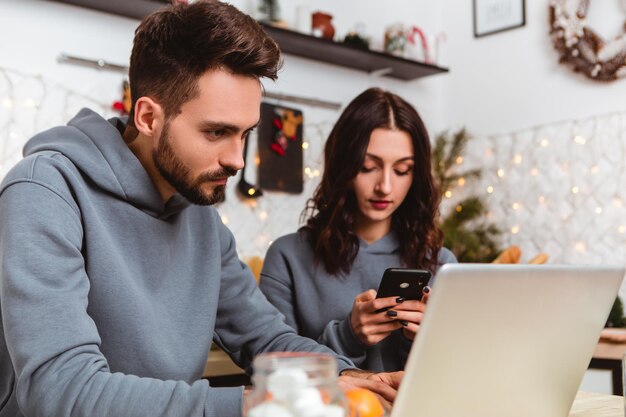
x=295 y=384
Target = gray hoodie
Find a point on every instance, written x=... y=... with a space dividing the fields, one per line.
x=318 y=304
x=110 y=298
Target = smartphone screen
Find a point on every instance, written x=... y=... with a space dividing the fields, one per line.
x=402 y=282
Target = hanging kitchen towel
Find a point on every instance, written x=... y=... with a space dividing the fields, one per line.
x=280 y=149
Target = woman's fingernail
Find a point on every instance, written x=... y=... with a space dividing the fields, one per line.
x=399 y=300
x=392 y=313
x=426 y=290
x=403 y=322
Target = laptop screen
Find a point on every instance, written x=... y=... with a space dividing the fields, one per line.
x=506 y=340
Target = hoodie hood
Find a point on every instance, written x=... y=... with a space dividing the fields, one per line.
x=96 y=147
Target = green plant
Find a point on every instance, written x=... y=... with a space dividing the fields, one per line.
x=466 y=232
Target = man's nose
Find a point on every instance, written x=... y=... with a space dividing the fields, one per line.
x=233 y=156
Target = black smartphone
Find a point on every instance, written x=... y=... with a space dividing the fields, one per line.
x=403 y=282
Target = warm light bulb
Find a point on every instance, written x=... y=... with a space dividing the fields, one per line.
x=516 y=206
x=459 y=208
x=250 y=191
x=316 y=173
x=598 y=210
x=461 y=182
x=263 y=215
x=7 y=102
x=500 y=173
x=580 y=247
x=517 y=159
x=490 y=189
x=257 y=160
x=307 y=170
x=574 y=190
x=448 y=194
x=515 y=229
x=305 y=145
x=545 y=143
x=580 y=140
x=29 y=103
x=622 y=229
x=224 y=219
x=459 y=160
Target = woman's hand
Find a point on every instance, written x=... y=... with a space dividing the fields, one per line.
x=370 y=323
x=410 y=314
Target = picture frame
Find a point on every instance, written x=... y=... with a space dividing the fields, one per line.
x=495 y=16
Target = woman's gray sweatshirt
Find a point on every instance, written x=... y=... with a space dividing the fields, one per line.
x=318 y=305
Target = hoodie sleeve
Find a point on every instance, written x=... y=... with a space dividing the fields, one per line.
x=247 y=324
x=53 y=343
x=277 y=285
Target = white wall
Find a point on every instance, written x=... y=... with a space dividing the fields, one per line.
x=513 y=80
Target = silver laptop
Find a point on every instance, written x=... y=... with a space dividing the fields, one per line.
x=506 y=340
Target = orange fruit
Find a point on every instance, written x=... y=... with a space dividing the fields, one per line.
x=364 y=403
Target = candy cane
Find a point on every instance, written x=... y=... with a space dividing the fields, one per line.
x=411 y=38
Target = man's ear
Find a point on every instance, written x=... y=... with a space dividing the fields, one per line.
x=149 y=117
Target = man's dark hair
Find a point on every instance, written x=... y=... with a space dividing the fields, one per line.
x=176 y=45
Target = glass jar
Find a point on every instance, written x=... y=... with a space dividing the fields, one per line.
x=295 y=384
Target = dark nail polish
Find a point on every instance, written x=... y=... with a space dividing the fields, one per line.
x=426 y=290
x=399 y=300
x=403 y=322
x=392 y=313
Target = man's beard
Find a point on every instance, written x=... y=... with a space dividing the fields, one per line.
x=177 y=174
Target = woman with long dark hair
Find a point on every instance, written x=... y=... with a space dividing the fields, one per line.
x=375 y=208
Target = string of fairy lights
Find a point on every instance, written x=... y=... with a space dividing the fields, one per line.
x=558 y=188
x=30 y=103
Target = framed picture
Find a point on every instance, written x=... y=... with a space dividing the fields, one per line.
x=493 y=16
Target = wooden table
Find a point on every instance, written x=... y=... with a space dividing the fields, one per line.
x=597 y=405
x=221 y=371
x=609 y=356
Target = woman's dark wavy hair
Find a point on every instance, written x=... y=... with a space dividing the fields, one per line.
x=333 y=209
x=176 y=45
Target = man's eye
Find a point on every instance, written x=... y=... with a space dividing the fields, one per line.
x=218 y=133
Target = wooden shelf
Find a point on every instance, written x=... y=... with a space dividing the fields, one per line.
x=330 y=52
x=294 y=43
x=136 y=9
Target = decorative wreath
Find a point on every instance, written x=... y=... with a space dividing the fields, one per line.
x=583 y=49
